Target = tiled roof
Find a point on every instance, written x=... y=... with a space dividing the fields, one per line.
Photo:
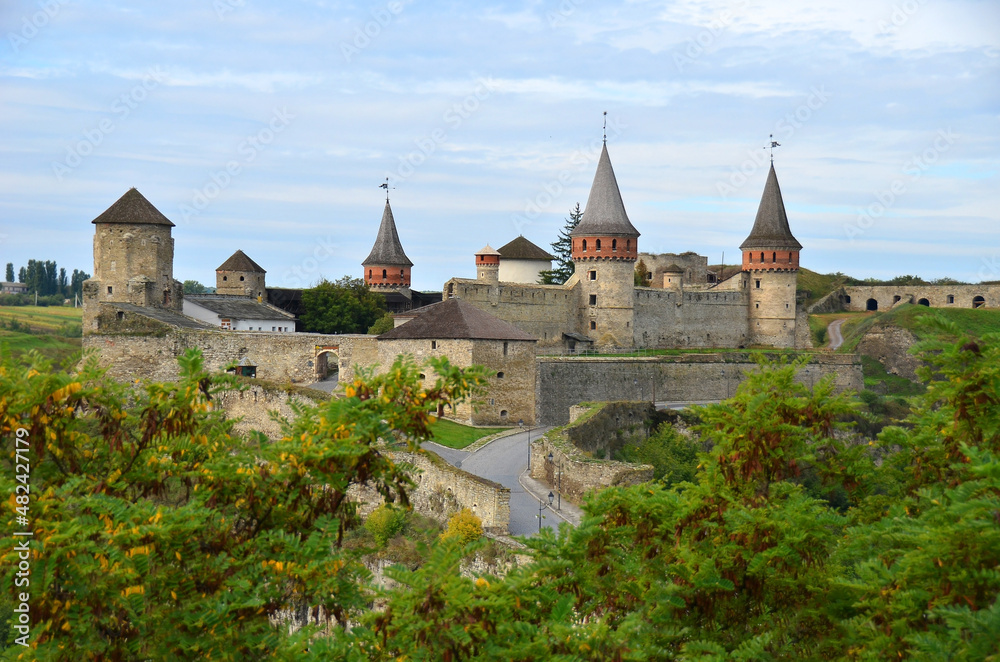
x=239 y=261
x=133 y=208
x=387 y=249
x=237 y=307
x=605 y=212
x=522 y=249
x=770 y=228
x=455 y=318
x=162 y=315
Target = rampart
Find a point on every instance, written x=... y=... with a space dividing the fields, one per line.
x=544 y=311
x=860 y=297
x=566 y=381
x=668 y=318
x=576 y=466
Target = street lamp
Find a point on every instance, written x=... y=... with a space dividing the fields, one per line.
x=542 y=506
x=559 y=483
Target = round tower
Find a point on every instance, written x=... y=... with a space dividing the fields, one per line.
x=604 y=248
x=387 y=267
x=673 y=278
x=488 y=265
x=770 y=266
x=241 y=276
x=133 y=258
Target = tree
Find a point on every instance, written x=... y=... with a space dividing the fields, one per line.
x=344 y=306
x=639 y=277
x=10 y=272
x=22 y=275
x=563 y=249
x=63 y=282
x=159 y=534
x=385 y=323
x=76 y=282
x=194 y=287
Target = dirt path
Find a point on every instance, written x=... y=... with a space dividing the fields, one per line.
x=834 y=335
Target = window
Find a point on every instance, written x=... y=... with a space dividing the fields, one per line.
x=369 y=274
x=593 y=325
x=774 y=257
x=757 y=283
x=751 y=257
x=649 y=275
x=597 y=245
x=628 y=244
x=274 y=328
x=756 y=305
x=505 y=348
x=503 y=414
x=584 y=245
x=401 y=271
x=121 y=314
x=434 y=344
x=951 y=298
x=614 y=245
x=109 y=289
x=383 y=274
x=225 y=278
x=593 y=275
x=500 y=375
x=762 y=257
x=593 y=299
x=242 y=279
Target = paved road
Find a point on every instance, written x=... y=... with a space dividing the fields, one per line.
x=503 y=461
x=833 y=333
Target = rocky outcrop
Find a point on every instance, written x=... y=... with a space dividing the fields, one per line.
x=890 y=345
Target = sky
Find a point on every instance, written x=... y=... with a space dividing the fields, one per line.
x=268 y=127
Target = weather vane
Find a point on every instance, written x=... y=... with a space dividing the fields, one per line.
x=773 y=143
x=385 y=185
x=605 y=127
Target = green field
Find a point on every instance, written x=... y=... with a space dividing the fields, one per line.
x=54 y=331
x=457 y=436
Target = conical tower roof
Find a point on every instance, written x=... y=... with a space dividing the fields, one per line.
x=488 y=250
x=133 y=208
x=605 y=211
x=387 y=249
x=770 y=228
x=240 y=261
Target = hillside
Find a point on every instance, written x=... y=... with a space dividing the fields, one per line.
x=973 y=322
x=54 y=331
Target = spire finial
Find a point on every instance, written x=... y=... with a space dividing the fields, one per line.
x=772 y=144
x=385 y=185
x=605 y=127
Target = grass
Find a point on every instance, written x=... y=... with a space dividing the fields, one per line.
x=53 y=331
x=876 y=378
x=458 y=436
x=813 y=286
x=973 y=322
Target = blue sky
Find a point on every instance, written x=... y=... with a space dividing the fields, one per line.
x=268 y=127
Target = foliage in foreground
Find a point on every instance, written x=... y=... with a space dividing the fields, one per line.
x=789 y=542
x=158 y=534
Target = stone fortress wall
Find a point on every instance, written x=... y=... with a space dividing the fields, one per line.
x=857 y=297
x=566 y=381
x=703 y=318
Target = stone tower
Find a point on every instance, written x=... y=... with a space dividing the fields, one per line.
x=387 y=267
x=133 y=259
x=770 y=265
x=488 y=265
x=604 y=250
x=241 y=276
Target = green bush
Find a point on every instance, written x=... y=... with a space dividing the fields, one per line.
x=674 y=457
x=385 y=522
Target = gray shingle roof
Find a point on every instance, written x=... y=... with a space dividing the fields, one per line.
x=237 y=307
x=770 y=228
x=454 y=318
x=387 y=249
x=133 y=208
x=163 y=315
x=239 y=261
x=487 y=250
x=522 y=249
x=605 y=211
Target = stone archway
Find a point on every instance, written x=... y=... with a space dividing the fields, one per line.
x=327 y=362
x=871 y=304
x=923 y=302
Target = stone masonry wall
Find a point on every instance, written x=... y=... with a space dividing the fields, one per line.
x=667 y=318
x=936 y=295
x=566 y=381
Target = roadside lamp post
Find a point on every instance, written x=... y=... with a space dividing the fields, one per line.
x=542 y=506
x=558 y=483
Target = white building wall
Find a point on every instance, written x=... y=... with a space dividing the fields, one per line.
x=522 y=271
x=192 y=309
